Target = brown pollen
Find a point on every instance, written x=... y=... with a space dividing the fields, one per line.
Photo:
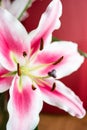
x=24 y=54
x=53 y=87
x=41 y=44
x=33 y=87
x=58 y=61
x=18 y=69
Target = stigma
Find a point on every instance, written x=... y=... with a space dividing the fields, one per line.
x=52 y=73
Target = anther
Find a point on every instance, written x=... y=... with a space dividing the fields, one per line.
x=33 y=87
x=24 y=54
x=18 y=69
x=41 y=44
x=53 y=87
x=52 y=73
x=58 y=61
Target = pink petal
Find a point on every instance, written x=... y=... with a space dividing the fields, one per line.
x=5 y=82
x=48 y=23
x=63 y=57
x=57 y=94
x=24 y=105
x=12 y=39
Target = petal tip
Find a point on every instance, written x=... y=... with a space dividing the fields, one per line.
x=82 y=115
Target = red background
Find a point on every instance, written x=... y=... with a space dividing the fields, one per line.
x=74 y=28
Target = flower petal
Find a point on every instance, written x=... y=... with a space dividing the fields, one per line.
x=57 y=94
x=24 y=105
x=48 y=23
x=5 y=82
x=12 y=39
x=63 y=57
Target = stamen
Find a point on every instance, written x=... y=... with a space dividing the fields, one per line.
x=24 y=54
x=33 y=87
x=18 y=69
x=58 y=61
x=41 y=44
x=52 y=73
x=53 y=87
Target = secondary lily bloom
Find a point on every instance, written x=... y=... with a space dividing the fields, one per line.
x=30 y=67
x=17 y=6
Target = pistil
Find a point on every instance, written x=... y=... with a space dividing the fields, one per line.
x=52 y=73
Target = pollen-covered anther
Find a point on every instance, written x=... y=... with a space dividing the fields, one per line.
x=18 y=69
x=53 y=87
x=24 y=54
x=33 y=88
x=58 y=61
x=52 y=73
x=41 y=44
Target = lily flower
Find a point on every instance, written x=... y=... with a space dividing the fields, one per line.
x=31 y=66
x=16 y=7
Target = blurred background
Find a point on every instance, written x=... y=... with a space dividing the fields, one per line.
x=73 y=28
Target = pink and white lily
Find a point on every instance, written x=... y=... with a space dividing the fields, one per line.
x=16 y=7
x=30 y=67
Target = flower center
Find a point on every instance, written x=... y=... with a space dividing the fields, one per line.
x=25 y=68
